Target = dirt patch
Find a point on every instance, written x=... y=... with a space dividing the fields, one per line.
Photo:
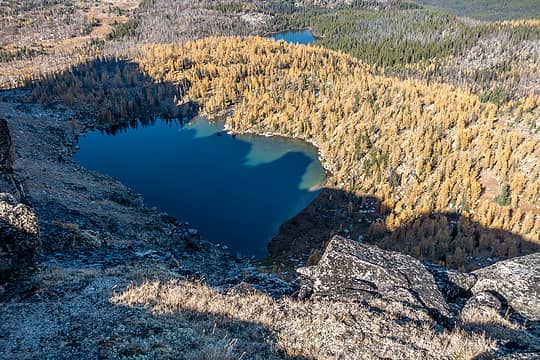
x=490 y=186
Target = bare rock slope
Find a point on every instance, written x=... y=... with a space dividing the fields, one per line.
x=517 y=281
x=352 y=270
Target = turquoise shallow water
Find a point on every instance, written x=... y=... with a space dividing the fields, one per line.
x=295 y=36
x=236 y=190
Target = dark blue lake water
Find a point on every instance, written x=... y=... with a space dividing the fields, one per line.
x=295 y=36
x=235 y=190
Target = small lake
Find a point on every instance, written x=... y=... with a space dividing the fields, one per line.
x=236 y=190
x=295 y=36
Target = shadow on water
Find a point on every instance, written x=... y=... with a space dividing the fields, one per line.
x=182 y=116
x=205 y=179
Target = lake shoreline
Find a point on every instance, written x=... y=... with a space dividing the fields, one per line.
x=287 y=168
x=309 y=28
x=310 y=229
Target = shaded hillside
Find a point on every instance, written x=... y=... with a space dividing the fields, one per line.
x=114 y=91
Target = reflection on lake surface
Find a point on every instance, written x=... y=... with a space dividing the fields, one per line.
x=236 y=190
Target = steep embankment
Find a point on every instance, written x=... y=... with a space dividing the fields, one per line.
x=419 y=148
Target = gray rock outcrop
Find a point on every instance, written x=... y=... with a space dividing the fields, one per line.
x=352 y=271
x=8 y=183
x=520 y=356
x=19 y=236
x=517 y=280
x=19 y=231
x=483 y=300
x=7 y=155
x=452 y=284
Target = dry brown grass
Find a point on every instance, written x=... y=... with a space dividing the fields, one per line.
x=490 y=322
x=99 y=314
x=311 y=329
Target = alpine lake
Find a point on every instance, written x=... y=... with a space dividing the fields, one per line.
x=236 y=190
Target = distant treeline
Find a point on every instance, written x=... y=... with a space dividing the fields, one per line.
x=428 y=44
x=488 y=9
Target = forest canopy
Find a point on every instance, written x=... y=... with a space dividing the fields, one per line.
x=430 y=112
x=420 y=148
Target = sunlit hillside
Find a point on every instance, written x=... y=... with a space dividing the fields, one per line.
x=420 y=148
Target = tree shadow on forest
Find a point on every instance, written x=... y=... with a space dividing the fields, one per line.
x=117 y=93
x=447 y=239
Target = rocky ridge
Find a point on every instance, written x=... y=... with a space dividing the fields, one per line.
x=349 y=270
x=516 y=281
x=352 y=271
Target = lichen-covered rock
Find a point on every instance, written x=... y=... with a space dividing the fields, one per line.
x=242 y=289
x=452 y=284
x=352 y=271
x=483 y=300
x=268 y=283
x=520 y=356
x=19 y=236
x=517 y=280
x=8 y=183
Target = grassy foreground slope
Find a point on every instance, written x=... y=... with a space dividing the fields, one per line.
x=420 y=148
